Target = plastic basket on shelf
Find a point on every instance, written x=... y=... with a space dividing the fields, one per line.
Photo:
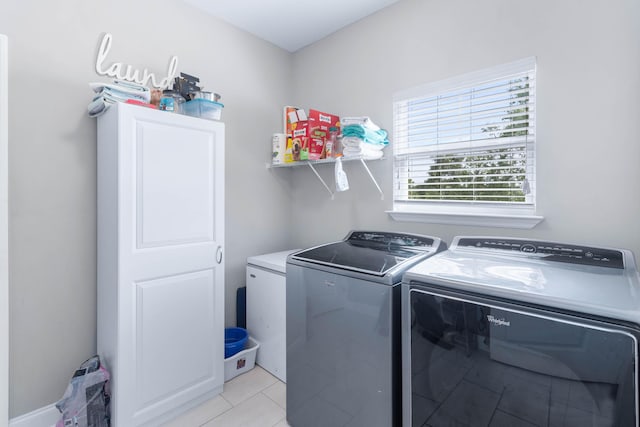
x=203 y=108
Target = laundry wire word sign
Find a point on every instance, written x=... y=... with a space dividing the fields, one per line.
x=119 y=71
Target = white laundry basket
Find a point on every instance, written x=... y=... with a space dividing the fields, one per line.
x=242 y=361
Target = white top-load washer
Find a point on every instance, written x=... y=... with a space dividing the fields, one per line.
x=510 y=331
x=266 y=309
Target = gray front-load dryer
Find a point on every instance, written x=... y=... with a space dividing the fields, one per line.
x=343 y=329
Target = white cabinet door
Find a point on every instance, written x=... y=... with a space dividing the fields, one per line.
x=166 y=180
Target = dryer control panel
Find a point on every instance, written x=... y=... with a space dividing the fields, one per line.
x=550 y=251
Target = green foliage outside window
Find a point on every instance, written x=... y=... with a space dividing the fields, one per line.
x=495 y=175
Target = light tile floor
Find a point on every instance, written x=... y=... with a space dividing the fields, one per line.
x=253 y=399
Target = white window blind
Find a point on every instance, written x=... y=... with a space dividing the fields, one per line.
x=468 y=140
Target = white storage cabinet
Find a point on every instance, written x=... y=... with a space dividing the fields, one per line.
x=160 y=261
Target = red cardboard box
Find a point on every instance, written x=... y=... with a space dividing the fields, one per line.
x=295 y=122
x=319 y=124
x=300 y=141
x=307 y=134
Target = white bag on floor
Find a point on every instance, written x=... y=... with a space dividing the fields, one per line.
x=85 y=402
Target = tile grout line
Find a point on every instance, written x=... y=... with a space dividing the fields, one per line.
x=280 y=420
x=244 y=400
x=268 y=397
x=278 y=405
x=248 y=397
x=240 y=403
x=223 y=412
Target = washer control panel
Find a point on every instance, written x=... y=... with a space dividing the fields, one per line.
x=400 y=239
x=550 y=251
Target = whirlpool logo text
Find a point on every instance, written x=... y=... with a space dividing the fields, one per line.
x=498 y=322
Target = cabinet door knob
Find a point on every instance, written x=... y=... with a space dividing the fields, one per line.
x=219 y=254
x=253 y=276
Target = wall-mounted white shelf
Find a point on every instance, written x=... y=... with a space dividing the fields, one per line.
x=311 y=164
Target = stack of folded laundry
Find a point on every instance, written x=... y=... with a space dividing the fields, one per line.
x=362 y=138
x=118 y=91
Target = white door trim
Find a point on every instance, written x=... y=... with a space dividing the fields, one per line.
x=4 y=234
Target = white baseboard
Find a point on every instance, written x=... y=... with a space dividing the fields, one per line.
x=43 y=417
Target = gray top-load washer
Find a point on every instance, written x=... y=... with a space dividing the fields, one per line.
x=509 y=331
x=343 y=328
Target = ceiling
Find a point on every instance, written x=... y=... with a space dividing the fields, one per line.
x=291 y=24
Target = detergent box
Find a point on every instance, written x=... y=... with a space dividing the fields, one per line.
x=319 y=125
x=295 y=131
x=307 y=134
x=300 y=141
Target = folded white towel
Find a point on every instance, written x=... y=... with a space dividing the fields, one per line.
x=120 y=96
x=365 y=154
x=369 y=155
x=355 y=142
x=371 y=147
x=131 y=85
x=351 y=141
x=360 y=120
x=141 y=93
x=107 y=97
x=351 y=152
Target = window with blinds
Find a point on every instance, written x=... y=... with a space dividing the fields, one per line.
x=468 y=140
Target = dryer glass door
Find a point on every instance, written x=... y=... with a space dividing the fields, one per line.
x=480 y=362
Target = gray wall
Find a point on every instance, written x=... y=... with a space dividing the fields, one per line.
x=588 y=82
x=588 y=58
x=53 y=162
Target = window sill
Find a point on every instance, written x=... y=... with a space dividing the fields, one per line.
x=477 y=219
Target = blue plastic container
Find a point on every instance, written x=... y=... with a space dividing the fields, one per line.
x=234 y=341
x=203 y=108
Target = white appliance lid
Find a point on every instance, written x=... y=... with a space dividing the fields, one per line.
x=597 y=290
x=276 y=261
